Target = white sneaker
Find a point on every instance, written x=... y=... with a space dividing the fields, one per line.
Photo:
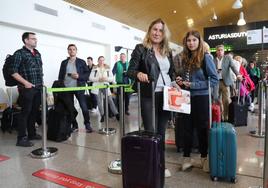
x=167 y=173
x=186 y=163
x=251 y=108
x=93 y=110
x=201 y=163
x=197 y=163
x=205 y=162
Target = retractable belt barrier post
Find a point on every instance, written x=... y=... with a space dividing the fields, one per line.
x=265 y=167
x=107 y=130
x=265 y=159
x=115 y=166
x=261 y=101
x=44 y=152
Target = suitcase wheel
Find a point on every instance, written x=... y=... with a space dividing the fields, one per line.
x=214 y=178
x=233 y=180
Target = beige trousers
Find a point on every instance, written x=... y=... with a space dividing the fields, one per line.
x=224 y=95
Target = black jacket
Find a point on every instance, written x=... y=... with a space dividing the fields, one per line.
x=144 y=60
x=63 y=101
x=81 y=68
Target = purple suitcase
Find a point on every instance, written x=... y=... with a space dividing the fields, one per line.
x=142 y=158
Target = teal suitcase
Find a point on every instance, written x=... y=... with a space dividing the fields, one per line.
x=222 y=152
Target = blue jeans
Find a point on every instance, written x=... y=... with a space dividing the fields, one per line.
x=80 y=96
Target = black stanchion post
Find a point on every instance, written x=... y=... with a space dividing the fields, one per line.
x=265 y=168
x=115 y=166
x=44 y=152
x=261 y=97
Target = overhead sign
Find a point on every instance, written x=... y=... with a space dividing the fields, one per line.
x=236 y=36
x=265 y=35
x=227 y=35
x=254 y=36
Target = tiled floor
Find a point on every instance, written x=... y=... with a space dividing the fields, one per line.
x=87 y=156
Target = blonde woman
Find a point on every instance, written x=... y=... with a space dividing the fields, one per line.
x=101 y=74
x=152 y=60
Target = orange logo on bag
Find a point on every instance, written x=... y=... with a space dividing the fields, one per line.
x=175 y=98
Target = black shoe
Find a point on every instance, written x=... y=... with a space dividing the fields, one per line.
x=24 y=142
x=127 y=113
x=35 y=137
x=74 y=129
x=117 y=117
x=88 y=128
x=102 y=119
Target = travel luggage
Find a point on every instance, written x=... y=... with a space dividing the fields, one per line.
x=222 y=152
x=61 y=116
x=142 y=156
x=9 y=119
x=59 y=126
x=238 y=112
x=222 y=149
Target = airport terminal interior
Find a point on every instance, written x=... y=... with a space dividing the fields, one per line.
x=108 y=28
x=87 y=156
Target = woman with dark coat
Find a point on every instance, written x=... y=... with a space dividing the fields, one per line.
x=152 y=61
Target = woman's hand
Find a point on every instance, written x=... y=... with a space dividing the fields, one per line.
x=142 y=77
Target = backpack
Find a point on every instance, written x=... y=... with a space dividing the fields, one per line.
x=9 y=80
x=9 y=119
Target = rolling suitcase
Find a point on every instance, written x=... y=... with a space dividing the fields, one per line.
x=222 y=150
x=238 y=112
x=142 y=156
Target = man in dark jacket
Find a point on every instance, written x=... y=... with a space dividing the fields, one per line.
x=93 y=97
x=74 y=72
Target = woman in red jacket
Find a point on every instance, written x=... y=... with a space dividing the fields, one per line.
x=247 y=84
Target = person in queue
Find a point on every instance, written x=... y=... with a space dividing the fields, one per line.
x=93 y=98
x=152 y=60
x=27 y=70
x=101 y=74
x=197 y=66
x=119 y=70
x=74 y=72
x=255 y=75
x=224 y=65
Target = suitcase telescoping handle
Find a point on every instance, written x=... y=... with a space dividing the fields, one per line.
x=153 y=105
x=210 y=103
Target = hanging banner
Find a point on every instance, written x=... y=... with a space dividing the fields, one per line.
x=265 y=35
x=254 y=36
